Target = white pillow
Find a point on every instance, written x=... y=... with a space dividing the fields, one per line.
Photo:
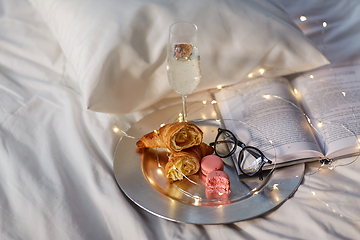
x=118 y=47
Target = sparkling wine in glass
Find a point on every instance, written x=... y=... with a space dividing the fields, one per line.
x=183 y=60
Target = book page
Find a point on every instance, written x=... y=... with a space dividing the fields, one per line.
x=269 y=107
x=331 y=99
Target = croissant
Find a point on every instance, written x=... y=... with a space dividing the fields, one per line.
x=175 y=136
x=186 y=162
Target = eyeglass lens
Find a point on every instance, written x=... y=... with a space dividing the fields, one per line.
x=250 y=160
x=225 y=144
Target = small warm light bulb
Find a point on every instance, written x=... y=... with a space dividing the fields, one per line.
x=308 y=119
x=219 y=87
x=261 y=71
x=275 y=186
x=213 y=101
x=296 y=91
x=312 y=76
x=313 y=193
x=320 y=124
x=159 y=171
x=343 y=93
x=303 y=18
x=324 y=24
x=116 y=129
x=266 y=96
x=204 y=102
x=197 y=200
x=250 y=75
x=180 y=118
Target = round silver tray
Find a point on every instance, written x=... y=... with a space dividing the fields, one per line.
x=137 y=174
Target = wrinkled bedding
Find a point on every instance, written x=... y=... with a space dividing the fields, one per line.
x=59 y=125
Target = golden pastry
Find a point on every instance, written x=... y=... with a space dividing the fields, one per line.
x=186 y=162
x=175 y=137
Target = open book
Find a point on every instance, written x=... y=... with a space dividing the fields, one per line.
x=313 y=116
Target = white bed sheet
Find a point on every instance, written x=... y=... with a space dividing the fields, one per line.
x=56 y=176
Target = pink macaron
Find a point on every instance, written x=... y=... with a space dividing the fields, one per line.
x=218 y=181
x=211 y=163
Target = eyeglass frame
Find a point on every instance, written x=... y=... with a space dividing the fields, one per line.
x=244 y=147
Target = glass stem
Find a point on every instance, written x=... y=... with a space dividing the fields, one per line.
x=184 y=108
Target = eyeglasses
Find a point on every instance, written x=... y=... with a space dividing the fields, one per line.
x=250 y=161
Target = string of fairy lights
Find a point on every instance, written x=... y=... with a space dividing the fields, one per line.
x=325 y=165
x=277 y=186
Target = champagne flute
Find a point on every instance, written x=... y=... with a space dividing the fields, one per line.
x=183 y=61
